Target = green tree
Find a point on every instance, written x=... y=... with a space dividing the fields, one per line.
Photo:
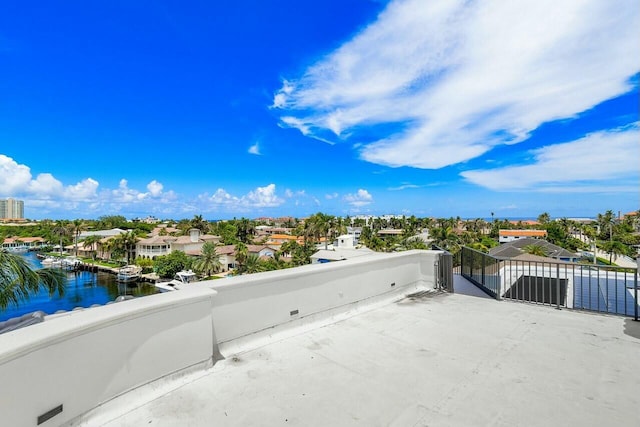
x=112 y=221
x=245 y=230
x=168 y=265
x=125 y=243
x=61 y=230
x=145 y=263
x=413 y=243
x=535 y=250
x=375 y=243
x=614 y=247
x=199 y=223
x=208 y=263
x=252 y=264
x=18 y=280
x=241 y=254
x=92 y=242
x=445 y=238
x=544 y=218
x=76 y=227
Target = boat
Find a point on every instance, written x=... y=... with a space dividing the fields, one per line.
x=129 y=273
x=181 y=278
x=71 y=263
x=52 y=262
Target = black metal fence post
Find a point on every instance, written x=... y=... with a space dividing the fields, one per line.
x=635 y=294
x=557 y=286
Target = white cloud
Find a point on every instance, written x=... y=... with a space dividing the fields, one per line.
x=47 y=194
x=124 y=194
x=360 y=198
x=254 y=149
x=155 y=188
x=84 y=190
x=14 y=178
x=601 y=161
x=458 y=78
x=263 y=197
x=260 y=197
x=295 y=123
x=221 y=197
x=45 y=185
x=288 y=193
x=331 y=196
x=404 y=187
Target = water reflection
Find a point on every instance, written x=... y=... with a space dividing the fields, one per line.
x=83 y=289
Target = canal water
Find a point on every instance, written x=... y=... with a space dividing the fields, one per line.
x=84 y=288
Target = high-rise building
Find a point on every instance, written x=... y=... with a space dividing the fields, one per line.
x=11 y=209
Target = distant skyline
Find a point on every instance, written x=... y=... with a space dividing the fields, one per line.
x=351 y=107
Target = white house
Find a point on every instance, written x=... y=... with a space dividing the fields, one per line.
x=154 y=246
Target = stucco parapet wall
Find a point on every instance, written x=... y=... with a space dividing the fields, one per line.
x=60 y=327
x=413 y=256
x=255 y=304
x=84 y=359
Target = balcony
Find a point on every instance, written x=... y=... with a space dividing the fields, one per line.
x=359 y=342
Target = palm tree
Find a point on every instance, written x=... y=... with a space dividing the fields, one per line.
x=252 y=264
x=413 y=243
x=209 y=263
x=62 y=231
x=113 y=248
x=445 y=238
x=199 y=223
x=241 y=256
x=535 y=250
x=128 y=242
x=18 y=280
x=76 y=227
x=375 y=243
x=245 y=229
x=544 y=218
x=614 y=247
x=92 y=243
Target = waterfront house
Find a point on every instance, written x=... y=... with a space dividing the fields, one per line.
x=22 y=243
x=505 y=236
x=154 y=246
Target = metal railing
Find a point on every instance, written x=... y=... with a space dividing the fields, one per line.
x=444 y=272
x=559 y=284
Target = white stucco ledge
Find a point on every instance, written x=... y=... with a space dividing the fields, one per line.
x=77 y=365
x=85 y=358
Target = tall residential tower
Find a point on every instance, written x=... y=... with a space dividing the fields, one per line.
x=11 y=209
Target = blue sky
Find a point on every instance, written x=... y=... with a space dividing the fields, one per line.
x=283 y=107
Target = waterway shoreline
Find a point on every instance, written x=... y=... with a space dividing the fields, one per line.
x=87 y=286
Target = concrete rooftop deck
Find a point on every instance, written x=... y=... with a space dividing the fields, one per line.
x=436 y=360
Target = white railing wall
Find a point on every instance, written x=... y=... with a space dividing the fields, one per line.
x=83 y=359
x=248 y=305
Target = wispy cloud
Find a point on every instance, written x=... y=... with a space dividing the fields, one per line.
x=404 y=186
x=602 y=161
x=360 y=198
x=460 y=77
x=254 y=149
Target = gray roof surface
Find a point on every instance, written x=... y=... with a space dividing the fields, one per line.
x=515 y=248
x=433 y=359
